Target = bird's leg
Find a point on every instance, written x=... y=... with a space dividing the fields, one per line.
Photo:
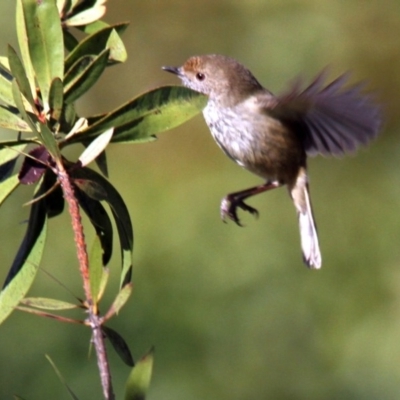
x=232 y=201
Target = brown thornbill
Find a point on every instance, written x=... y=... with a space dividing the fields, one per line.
x=271 y=136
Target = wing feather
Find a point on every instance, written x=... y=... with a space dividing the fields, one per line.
x=331 y=119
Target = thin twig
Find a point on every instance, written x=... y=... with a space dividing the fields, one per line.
x=94 y=320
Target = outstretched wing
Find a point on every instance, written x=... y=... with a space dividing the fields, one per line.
x=332 y=119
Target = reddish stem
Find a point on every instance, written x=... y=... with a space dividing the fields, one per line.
x=94 y=320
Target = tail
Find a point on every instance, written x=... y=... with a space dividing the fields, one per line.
x=308 y=230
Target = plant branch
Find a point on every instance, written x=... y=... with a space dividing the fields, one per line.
x=94 y=320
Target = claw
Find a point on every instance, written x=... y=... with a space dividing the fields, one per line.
x=229 y=206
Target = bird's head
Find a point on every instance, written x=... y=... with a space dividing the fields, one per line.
x=222 y=78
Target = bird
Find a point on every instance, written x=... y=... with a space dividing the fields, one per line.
x=272 y=135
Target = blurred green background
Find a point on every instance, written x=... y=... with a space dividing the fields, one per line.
x=232 y=311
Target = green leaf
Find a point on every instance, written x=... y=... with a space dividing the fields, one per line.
x=138 y=381
x=103 y=282
x=91 y=188
x=98 y=26
x=11 y=142
x=116 y=45
x=23 y=270
x=30 y=119
x=96 y=147
x=121 y=216
x=76 y=70
x=5 y=66
x=87 y=16
x=46 y=314
x=100 y=220
x=119 y=345
x=96 y=269
x=49 y=141
x=47 y=304
x=8 y=186
x=95 y=44
x=86 y=78
x=63 y=381
x=69 y=118
x=120 y=300
x=8 y=154
x=18 y=71
x=153 y=112
x=70 y=42
x=10 y=120
x=6 y=78
x=24 y=48
x=56 y=98
x=9 y=183
x=45 y=42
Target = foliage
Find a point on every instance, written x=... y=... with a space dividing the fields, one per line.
x=38 y=90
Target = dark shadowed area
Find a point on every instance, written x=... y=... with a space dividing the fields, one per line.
x=232 y=312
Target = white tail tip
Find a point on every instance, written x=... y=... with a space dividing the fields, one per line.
x=309 y=241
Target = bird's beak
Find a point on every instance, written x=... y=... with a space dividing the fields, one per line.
x=173 y=70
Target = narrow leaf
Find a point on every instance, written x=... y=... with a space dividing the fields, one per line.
x=120 y=300
x=138 y=381
x=26 y=263
x=9 y=119
x=63 y=381
x=24 y=48
x=10 y=153
x=5 y=68
x=87 y=77
x=121 y=216
x=119 y=345
x=47 y=304
x=8 y=159
x=46 y=314
x=92 y=188
x=70 y=42
x=8 y=186
x=19 y=73
x=6 y=78
x=45 y=42
x=103 y=282
x=100 y=220
x=98 y=26
x=30 y=119
x=96 y=147
x=49 y=141
x=118 y=51
x=76 y=70
x=69 y=118
x=153 y=112
x=7 y=169
x=94 y=44
x=96 y=269
x=16 y=142
x=87 y=16
x=56 y=98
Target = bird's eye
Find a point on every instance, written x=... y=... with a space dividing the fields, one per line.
x=200 y=76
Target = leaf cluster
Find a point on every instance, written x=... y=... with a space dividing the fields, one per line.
x=39 y=85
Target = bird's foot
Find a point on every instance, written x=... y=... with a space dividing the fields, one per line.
x=229 y=207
